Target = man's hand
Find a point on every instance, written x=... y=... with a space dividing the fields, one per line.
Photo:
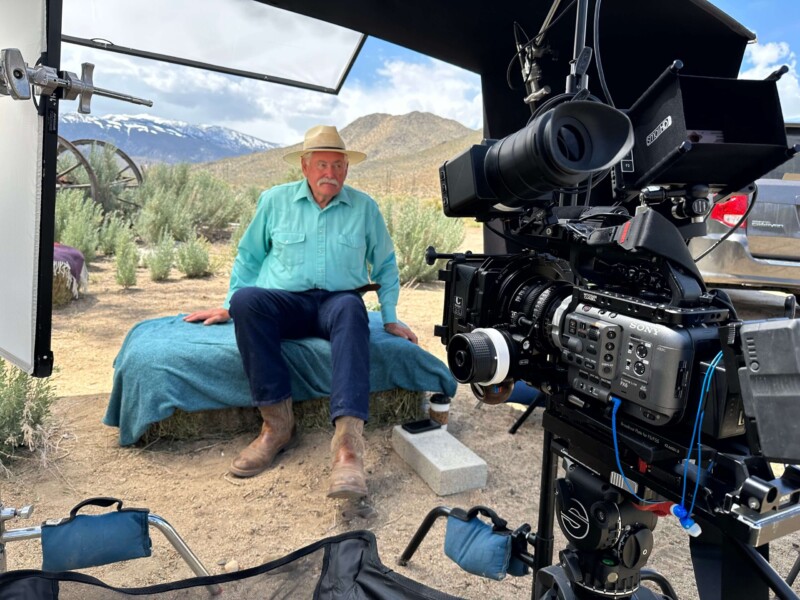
x=209 y=317
x=401 y=331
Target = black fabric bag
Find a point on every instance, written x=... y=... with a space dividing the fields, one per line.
x=335 y=568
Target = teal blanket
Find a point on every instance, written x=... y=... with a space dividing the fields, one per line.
x=166 y=364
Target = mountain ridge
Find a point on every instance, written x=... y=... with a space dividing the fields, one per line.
x=152 y=139
x=404 y=153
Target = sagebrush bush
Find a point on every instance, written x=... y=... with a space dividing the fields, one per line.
x=24 y=410
x=212 y=203
x=164 y=211
x=126 y=260
x=161 y=258
x=192 y=258
x=77 y=222
x=183 y=201
x=247 y=209
x=113 y=224
x=111 y=173
x=415 y=224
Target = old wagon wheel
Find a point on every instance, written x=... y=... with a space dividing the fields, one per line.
x=73 y=170
x=119 y=180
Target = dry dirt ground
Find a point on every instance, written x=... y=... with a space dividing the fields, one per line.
x=256 y=520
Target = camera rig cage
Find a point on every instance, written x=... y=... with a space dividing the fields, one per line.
x=657 y=394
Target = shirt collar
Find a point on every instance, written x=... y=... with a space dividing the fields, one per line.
x=304 y=192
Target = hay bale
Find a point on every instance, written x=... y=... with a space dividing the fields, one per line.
x=385 y=408
x=62 y=288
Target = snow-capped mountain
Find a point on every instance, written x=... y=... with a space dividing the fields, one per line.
x=152 y=139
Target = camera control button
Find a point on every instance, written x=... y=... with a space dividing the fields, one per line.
x=574 y=344
x=590 y=365
x=594 y=334
x=610 y=345
x=611 y=334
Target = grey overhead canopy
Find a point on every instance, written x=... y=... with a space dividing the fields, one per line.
x=638 y=40
x=240 y=37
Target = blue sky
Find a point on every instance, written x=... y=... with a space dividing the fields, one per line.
x=385 y=78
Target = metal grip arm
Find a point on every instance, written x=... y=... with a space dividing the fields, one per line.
x=16 y=79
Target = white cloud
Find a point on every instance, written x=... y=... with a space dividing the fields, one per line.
x=763 y=59
x=273 y=112
x=432 y=86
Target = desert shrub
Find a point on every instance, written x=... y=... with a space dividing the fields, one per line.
x=77 y=222
x=110 y=170
x=184 y=201
x=212 y=203
x=162 y=177
x=164 y=211
x=126 y=259
x=415 y=224
x=288 y=176
x=193 y=258
x=247 y=209
x=113 y=224
x=161 y=258
x=24 y=409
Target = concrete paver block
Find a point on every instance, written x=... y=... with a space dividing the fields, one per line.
x=443 y=462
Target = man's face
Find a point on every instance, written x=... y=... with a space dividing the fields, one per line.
x=326 y=172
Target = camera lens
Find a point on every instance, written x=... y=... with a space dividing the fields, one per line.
x=482 y=356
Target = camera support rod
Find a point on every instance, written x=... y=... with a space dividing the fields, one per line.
x=582 y=55
x=17 y=78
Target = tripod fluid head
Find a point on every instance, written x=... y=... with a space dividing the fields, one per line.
x=610 y=541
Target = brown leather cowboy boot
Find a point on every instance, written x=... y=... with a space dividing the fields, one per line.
x=277 y=433
x=347 y=448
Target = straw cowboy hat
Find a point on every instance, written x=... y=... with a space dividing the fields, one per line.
x=323 y=138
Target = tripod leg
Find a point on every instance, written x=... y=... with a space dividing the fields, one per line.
x=547 y=502
x=523 y=417
x=767 y=573
x=721 y=570
x=793 y=573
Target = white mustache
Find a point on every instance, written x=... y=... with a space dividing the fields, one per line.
x=322 y=180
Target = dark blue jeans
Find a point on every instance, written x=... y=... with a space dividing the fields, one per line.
x=263 y=317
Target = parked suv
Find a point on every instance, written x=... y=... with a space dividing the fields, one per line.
x=765 y=251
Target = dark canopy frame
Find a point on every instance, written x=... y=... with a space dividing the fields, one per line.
x=639 y=39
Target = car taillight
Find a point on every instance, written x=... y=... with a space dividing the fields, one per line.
x=730 y=211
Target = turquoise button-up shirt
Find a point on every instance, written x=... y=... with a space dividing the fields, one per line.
x=292 y=244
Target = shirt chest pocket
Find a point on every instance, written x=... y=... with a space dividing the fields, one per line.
x=289 y=248
x=351 y=251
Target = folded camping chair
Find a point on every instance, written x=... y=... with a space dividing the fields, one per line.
x=90 y=540
x=342 y=567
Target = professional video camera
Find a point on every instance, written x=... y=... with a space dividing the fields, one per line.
x=652 y=382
